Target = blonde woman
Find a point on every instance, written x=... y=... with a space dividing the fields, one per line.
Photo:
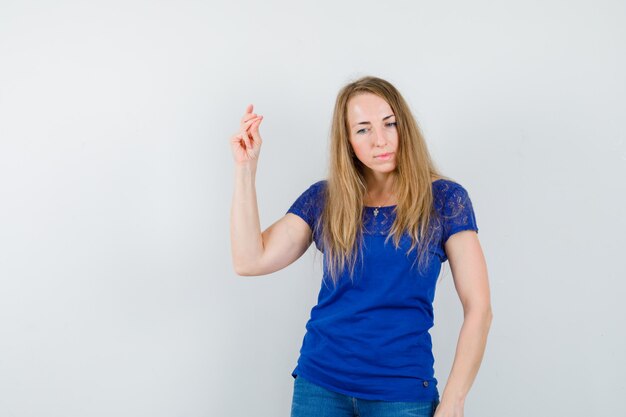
x=385 y=220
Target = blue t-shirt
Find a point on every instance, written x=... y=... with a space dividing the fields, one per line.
x=369 y=337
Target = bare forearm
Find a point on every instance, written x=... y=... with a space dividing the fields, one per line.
x=469 y=354
x=245 y=229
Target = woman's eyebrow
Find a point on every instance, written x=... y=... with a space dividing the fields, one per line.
x=368 y=123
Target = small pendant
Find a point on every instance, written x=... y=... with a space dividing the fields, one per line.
x=376 y=212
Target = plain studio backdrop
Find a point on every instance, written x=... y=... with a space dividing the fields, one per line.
x=117 y=292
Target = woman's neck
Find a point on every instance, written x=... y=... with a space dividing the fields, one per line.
x=380 y=190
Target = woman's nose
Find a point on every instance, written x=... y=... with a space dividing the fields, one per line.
x=380 y=138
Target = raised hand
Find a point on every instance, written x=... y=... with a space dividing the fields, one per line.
x=247 y=142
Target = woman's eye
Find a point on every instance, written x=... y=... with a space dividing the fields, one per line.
x=358 y=132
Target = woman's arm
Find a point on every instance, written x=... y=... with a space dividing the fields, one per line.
x=469 y=271
x=253 y=252
x=245 y=229
x=246 y=242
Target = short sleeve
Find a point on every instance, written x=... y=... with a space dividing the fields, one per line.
x=307 y=205
x=458 y=212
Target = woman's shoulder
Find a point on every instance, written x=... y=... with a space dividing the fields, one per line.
x=320 y=184
x=318 y=187
x=316 y=190
x=444 y=184
x=450 y=197
x=446 y=190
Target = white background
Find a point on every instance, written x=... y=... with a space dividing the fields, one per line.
x=117 y=292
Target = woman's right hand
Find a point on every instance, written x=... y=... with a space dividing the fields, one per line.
x=247 y=142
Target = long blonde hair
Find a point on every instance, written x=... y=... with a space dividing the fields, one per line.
x=341 y=219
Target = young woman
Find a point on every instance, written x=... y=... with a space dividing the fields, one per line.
x=385 y=220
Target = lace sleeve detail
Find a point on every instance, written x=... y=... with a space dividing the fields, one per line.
x=307 y=205
x=458 y=212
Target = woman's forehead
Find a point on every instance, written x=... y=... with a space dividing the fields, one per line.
x=368 y=104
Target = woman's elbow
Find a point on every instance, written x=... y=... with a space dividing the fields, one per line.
x=242 y=270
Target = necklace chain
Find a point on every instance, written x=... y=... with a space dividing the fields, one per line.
x=377 y=207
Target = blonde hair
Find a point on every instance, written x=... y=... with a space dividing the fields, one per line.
x=341 y=218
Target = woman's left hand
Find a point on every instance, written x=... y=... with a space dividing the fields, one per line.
x=448 y=409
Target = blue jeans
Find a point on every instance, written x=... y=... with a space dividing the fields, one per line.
x=311 y=400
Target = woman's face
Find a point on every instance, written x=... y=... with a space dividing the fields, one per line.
x=373 y=133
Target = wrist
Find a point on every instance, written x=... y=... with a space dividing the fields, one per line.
x=248 y=167
x=454 y=398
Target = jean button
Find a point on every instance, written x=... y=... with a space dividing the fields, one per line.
x=425 y=383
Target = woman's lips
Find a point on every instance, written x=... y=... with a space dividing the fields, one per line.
x=384 y=156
